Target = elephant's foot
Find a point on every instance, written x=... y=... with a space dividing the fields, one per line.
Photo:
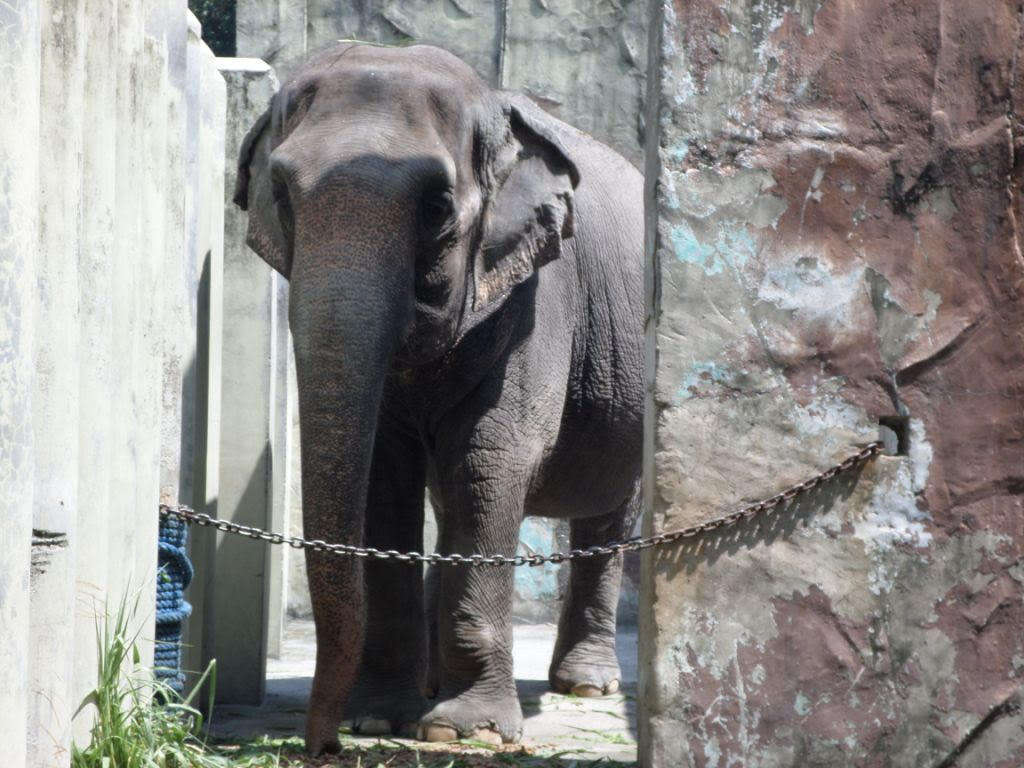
x=588 y=669
x=385 y=709
x=474 y=715
x=322 y=735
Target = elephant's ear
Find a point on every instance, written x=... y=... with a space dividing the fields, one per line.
x=529 y=209
x=254 y=192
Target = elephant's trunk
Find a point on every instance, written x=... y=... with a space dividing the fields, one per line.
x=347 y=322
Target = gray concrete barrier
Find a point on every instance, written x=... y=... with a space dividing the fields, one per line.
x=248 y=451
x=101 y=291
x=19 y=239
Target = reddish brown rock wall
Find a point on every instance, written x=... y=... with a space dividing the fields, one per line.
x=837 y=196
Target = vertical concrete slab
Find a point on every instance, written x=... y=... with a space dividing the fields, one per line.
x=180 y=275
x=298 y=600
x=833 y=240
x=242 y=590
x=281 y=412
x=96 y=264
x=129 y=245
x=200 y=542
x=148 y=305
x=55 y=390
x=19 y=240
x=207 y=114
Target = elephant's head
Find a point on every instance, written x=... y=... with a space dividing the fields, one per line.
x=404 y=200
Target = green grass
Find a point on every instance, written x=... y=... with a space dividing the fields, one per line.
x=140 y=722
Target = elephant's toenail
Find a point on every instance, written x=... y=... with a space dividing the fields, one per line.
x=373 y=726
x=586 y=691
x=612 y=687
x=487 y=736
x=433 y=732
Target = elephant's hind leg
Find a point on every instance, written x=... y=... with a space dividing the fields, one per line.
x=584 y=661
x=387 y=697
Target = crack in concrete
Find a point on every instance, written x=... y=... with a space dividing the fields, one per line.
x=913 y=371
x=1008 y=706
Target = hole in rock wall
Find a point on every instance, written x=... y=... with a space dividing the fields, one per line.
x=894 y=432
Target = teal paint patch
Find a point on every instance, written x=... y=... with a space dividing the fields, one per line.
x=537 y=535
x=690 y=250
x=699 y=377
x=732 y=247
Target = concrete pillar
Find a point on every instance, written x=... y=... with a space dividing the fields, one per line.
x=148 y=344
x=833 y=200
x=180 y=274
x=281 y=413
x=96 y=264
x=299 y=604
x=56 y=385
x=206 y=106
x=241 y=595
x=19 y=241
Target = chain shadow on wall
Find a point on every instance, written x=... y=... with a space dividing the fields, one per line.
x=707 y=548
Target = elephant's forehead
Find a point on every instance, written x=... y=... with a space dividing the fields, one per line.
x=410 y=74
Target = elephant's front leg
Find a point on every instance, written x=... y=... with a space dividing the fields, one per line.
x=476 y=695
x=387 y=697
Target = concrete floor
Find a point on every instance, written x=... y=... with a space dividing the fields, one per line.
x=587 y=729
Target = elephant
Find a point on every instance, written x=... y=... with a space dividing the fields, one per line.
x=466 y=300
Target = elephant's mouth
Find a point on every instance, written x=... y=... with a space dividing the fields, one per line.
x=432 y=334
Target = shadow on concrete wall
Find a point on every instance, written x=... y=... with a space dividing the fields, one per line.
x=683 y=559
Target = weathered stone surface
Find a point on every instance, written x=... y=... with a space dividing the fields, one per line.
x=96 y=363
x=55 y=390
x=584 y=63
x=19 y=240
x=471 y=29
x=834 y=197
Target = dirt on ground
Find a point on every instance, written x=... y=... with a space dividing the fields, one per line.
x=393 y=753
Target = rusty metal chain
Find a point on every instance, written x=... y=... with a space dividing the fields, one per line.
x=764 y=506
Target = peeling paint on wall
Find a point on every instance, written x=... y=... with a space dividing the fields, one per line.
x=837 y=200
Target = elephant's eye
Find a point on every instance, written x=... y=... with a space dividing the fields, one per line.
x=437 y=213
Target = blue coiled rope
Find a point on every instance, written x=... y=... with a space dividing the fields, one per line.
x=174 y=574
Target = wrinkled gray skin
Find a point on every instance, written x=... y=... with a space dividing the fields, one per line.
x=466 y=303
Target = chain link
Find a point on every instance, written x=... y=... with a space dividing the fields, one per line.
x=762 y=507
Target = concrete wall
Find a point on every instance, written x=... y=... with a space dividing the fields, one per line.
x=583 y=62
x=99 y=294
x=19 y=238
x=248 y=602
x=834 y=198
